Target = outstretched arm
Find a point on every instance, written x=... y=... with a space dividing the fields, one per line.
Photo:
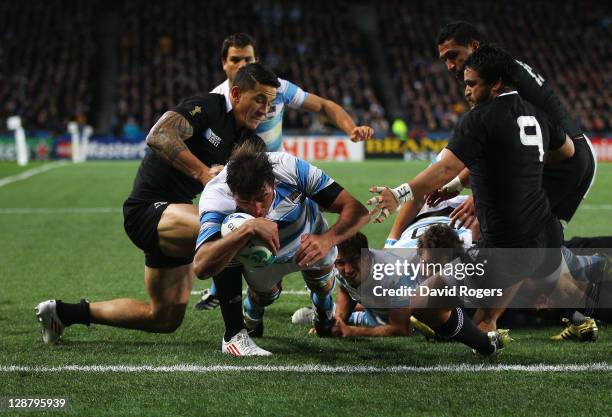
x=353 y=216
x=167 y=139
x=399 y=325
x=338 y=117
x=430 y=179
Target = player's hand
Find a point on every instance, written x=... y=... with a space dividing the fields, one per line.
x=340 y=329
x=312 y=249
x=361 y=133
x=386 y=203
x=465 y=214
x=214 y=170
x=267 y=231
x=438 y=196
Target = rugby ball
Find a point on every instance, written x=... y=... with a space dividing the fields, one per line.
x=255 y=253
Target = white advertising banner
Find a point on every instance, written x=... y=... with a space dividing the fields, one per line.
x=323 y=148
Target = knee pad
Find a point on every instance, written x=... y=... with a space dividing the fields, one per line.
x=316 y=284
x=265 y=299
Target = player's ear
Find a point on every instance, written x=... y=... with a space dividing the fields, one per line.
x=474 y=44
x=497 y=87
x=235 y=93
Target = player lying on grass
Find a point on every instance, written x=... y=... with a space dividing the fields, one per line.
x=413 y=219
x=159 y=216
x=286 y=196
x=349 y=275
x=239 y=50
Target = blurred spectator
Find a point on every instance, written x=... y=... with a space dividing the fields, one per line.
x=567 y=42
x=46 y=50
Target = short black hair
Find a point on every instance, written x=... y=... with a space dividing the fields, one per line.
x=249 y=170
x=237 y=40
x=351 y=247
x=492 y=64
x=250 y=74
x=461 y=32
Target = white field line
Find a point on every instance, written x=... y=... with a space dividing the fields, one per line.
x=63 y=210
x=113 y=210
x=31 y=172
x=595 y=207
x=284 y=292
x=313 y=368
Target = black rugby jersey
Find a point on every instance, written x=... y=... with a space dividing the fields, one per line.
x=215 y=134
x=533 y=87
x=502 y=142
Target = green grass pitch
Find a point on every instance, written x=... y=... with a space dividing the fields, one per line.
x=58 y=253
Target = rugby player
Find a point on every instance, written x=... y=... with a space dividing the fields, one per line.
x=159 y=217
x=286 y=196
x=237 y=51
x=567 y=182
x=350 y=274
x=501 y=139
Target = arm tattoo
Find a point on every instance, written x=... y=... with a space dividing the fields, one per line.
x=167 y=137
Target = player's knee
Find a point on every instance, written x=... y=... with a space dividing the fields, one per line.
x=168 y=320
x=322 y=284
x=264 y=299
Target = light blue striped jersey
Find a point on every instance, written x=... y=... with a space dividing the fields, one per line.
x=271 y=129
x=410 y=236
x=377 y=256
x=296 y=181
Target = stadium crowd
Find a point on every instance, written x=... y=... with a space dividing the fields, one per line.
x=166 y=51
x=160 y=62
x=570 y=50
x=47 y=54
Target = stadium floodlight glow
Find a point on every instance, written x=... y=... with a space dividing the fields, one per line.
x=14 y=123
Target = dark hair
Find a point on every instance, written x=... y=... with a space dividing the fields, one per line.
x=492 y=64
x=351 y=247
x=444 y=240
x=249 y=170
x=250 y=74
x=461 y=32
x=237 y=40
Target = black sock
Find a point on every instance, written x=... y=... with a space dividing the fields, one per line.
x=459 y=327
x=229 y=292
x=70 y=314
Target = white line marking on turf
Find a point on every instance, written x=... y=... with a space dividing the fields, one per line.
x=60 y=210
x=113 y=210
x=595 y=207
x=284 y=292
x=31 y=172
x=313 y=368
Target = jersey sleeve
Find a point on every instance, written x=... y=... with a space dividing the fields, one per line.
x=466 y=141
x=557 y=135
x=196 y=112
x=534 y=88
x=216 y=203
x=293 y=96
x=307 y=178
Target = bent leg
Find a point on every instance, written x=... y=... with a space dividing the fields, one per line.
x=169 y=289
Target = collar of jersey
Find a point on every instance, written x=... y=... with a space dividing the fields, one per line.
x=508 y=93
x=228 y=102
